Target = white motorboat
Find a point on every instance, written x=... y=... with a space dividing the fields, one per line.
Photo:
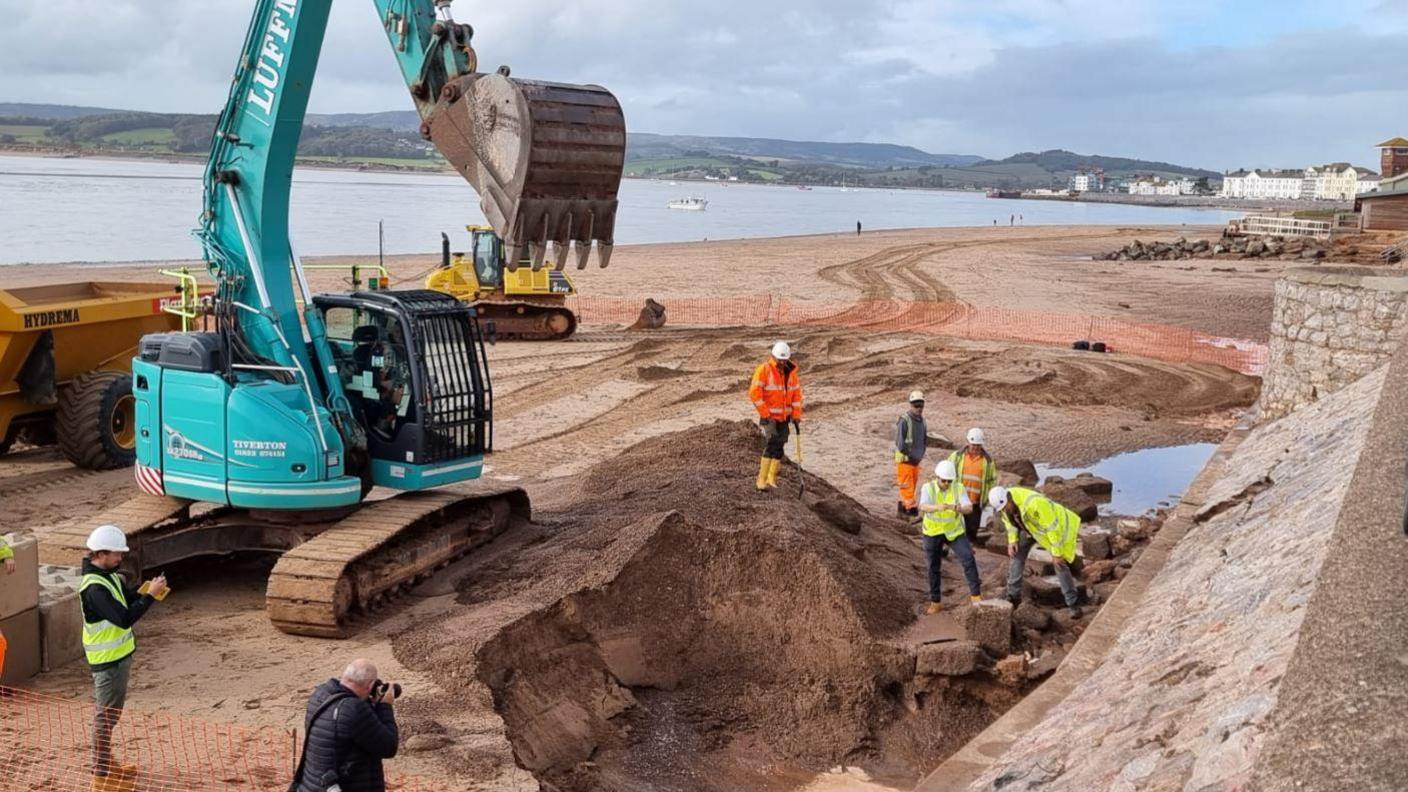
x=689 y=204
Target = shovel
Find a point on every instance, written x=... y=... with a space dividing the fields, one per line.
x=801 y=479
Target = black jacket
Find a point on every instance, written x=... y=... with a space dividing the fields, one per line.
x=99 y=603
x=352 y=734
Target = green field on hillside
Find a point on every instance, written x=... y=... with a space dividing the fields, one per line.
x=147 y=136
x=24 y=133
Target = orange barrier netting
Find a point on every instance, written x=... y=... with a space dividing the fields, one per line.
x=1160 y=342
x=46 y=744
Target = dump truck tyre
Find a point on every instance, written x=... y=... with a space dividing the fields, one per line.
x=97 y=421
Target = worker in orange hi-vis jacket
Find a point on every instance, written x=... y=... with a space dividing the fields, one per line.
x=776 y=393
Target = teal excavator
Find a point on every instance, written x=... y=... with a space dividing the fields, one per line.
x=269 y=432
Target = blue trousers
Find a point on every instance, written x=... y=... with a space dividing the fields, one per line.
x=934 y=551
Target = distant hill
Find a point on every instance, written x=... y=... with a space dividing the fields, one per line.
x=398 y=120
x=647 y=146
x=51 y=112
x=1060 y=160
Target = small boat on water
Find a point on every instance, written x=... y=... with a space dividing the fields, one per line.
x=689 y=204
x=996 y=193
x=804 y=188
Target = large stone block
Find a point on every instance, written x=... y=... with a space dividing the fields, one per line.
x=1093 y=485
x=60 y=628
x=22 y=655
x=1068 y=494
x=1094 y=542
x=989 y=623
x=1023 y=471
x=19 y=591
x=951 y=658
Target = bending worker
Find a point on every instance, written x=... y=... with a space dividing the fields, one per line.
x=110 y=608
x=911 y=438
x=777 y=395
x=978 y=473
x=1032 y=518
x=943 y=502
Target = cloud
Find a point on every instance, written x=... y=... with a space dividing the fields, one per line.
x=1097 y=76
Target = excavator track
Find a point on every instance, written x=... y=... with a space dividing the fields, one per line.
x=321 y=586
x=527 y=320
x=334 y=570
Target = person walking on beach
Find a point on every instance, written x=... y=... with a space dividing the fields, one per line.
x=857 y=228
x=911 y=438
x=776 y=393
x=943 y=502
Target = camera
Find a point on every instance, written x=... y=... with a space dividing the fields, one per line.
x=379 y=689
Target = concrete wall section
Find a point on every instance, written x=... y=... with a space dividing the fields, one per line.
x=1330 y=326
x=1183 y=698
x=1340 y=722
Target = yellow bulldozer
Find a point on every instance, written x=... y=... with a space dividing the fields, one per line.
x=523 y=303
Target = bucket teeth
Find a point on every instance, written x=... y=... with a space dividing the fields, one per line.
x=538 y=251
x=583 y=252
x=515 y=255
x=560 y=251
x=603 y=253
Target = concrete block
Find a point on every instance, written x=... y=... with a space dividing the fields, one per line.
x=22 y=655
x=19 y=592
x=951 y=658
x=989 y=623
x=60 y=628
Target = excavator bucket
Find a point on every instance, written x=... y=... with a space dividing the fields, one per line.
x=545 y=158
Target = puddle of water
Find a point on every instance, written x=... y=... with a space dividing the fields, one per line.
x=1143 y=479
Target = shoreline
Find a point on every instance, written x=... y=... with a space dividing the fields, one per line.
x=1192 y=202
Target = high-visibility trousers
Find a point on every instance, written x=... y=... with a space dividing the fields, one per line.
x=3 y=647
x=907 y=476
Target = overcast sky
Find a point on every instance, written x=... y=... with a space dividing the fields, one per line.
x=1254 y=83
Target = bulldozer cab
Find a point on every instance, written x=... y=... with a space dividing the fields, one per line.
x=488 y=252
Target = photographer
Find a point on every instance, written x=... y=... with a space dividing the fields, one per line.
x=350 y=727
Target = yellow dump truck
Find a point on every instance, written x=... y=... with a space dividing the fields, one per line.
x=66 y=360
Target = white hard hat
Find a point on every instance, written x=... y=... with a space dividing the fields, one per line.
x=108 y=537
x=916 y=396
x=976 y=437
x=781 y=350
x=997 y=498
x=945 y=470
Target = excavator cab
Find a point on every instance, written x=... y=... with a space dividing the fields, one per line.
x=412 y=366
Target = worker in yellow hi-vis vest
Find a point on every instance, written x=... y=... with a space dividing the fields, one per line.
x=943 y=502
x=110 y=608
x=1034 y=519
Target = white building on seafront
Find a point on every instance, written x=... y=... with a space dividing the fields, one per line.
x=1267 y=183
x=1088 y=180
x=1155 y=185
x=1336 y=181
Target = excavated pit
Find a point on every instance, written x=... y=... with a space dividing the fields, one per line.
x=722 y=638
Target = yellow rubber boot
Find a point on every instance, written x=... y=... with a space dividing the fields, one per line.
x=933 y=608
x=975 y=598
x=763 y=467
x=772 y=472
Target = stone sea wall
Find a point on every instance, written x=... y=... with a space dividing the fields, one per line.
x=1330 y=327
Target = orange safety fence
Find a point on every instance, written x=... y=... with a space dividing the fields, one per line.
x=1170 y=343
x=46 y=744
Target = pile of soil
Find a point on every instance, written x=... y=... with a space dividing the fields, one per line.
x=675 y=629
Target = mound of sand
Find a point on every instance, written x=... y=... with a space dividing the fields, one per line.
x=675 y=629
